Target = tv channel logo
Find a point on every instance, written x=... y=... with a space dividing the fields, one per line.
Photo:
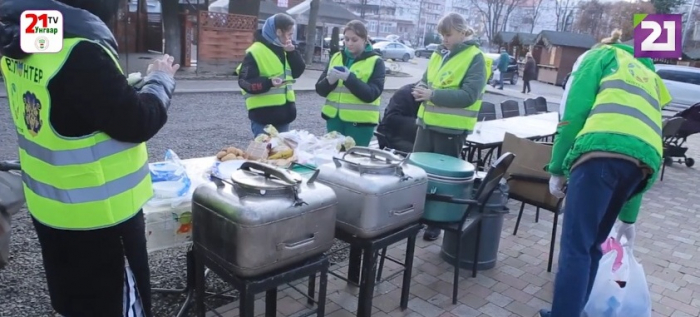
x=41 y=31
x=658 y=35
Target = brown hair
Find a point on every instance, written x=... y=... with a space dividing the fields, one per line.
x=283 y=21
x=358 y=27
x=614 y=37
x=454 y=22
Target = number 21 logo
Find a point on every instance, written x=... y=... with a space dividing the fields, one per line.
x=649 y=44
x=657 y=35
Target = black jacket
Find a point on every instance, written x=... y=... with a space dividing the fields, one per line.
x=399 y=122
x=249 y=80
x=530 y=70
x=367 y=92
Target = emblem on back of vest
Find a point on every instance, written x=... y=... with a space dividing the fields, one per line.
x=446 y=78
x=32 y=113
x=639 y=74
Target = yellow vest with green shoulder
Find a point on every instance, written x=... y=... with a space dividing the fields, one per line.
x=628 y=103
x=449 y=75
x=269 y=66
x=72 y=183
x=341 y=102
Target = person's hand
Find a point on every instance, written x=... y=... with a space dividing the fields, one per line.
x=628 y=231
x=421 y=93
x=332 y=77
x=556 y=186
x=289 y=46
x=164 y=64
x=341 y=74
x=277 y=82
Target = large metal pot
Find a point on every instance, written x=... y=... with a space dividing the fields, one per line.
x=263 y=219
x=449 y=176
x=377 y=192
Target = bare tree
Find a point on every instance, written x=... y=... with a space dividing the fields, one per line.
x=534 y=13
x=495 y=13
x=311 y=31
x=564 y=10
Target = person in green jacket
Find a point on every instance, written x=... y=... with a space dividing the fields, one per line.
x=609 y=147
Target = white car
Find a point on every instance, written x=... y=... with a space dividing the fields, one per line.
x=394 y=50
x=683 y=82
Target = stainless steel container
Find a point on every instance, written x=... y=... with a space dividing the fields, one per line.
x=377 y=192
x=263 y=219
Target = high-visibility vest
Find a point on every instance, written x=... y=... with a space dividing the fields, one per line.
x=449 y=75
x=628 y=103
x=269 y=66
x=489 y=70
x=341 y=102
x=72 y=183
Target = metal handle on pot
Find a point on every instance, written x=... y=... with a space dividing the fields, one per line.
x=297 y=244
x=403 y=211
x=373 y=153
x=268 y=171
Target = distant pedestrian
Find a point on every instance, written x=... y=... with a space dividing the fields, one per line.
x=352 y=84
x=266 y=74
x=529 y=72
x=502 y=66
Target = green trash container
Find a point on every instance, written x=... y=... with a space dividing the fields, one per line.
x=449 y=176
x=491 y=227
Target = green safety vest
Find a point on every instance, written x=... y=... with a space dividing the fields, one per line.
x=73 y=183
x=269 y=66
x=628 y=103
x=449 y=75
x=341 y=102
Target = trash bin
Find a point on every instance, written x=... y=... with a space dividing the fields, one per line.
x=491 y=227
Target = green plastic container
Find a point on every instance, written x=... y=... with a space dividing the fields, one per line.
x=449 y=176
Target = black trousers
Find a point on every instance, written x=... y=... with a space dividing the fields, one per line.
x=526 y=85
x=85 y=269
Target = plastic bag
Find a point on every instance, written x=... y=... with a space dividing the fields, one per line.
x=169 y=177
x=619 y=293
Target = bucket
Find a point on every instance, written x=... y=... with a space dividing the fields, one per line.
x=448 y=176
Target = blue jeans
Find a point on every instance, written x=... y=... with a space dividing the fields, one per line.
x=597 y=190
x=258 y=128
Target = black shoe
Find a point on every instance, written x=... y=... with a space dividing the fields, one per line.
x=431 y=234
x=545 y=313
x=501 y=88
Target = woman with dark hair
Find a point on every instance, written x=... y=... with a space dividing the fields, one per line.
x=352 y=84
x=266 y=75
x=398 y=126
x=529 y=72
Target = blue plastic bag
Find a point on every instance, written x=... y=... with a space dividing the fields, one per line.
x=170 y=177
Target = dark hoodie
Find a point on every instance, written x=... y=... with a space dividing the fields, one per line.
x=399 y=122
x=367 y=92
x=250 y=81
x=90 y=93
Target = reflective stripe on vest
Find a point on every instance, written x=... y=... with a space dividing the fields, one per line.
x=627 y=103
x=269 y=66
x=449 y=75
x=341 y=102
x=71 y=183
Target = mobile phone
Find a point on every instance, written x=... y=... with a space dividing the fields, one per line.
x=339 y=68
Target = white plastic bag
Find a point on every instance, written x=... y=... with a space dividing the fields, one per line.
x=169 y=177
x=610 y=299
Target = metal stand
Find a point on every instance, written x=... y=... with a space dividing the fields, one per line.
x=363 y=259
x=269 y=283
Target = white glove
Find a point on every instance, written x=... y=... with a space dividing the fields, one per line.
x=628 y=231
x=556 y=186
x=344 y=74
x=332 y=77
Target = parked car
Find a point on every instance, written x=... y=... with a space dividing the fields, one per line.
x=426 y=51
x=683 y=82
x=394 y=50
x=512 y=75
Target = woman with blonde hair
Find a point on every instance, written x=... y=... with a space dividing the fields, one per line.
x=609 y=148
x=352 y=84
x=529 y=72
x=450 y=92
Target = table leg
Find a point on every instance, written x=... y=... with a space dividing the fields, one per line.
x=367 y=281
x=354 y=262
x=247 y=303
x=408 y=269
x=322 y=289
x=271 y=302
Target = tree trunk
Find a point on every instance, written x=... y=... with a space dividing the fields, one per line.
x=244 y=7
x=311 y=32
x=172 y=29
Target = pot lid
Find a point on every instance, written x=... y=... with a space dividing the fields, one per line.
x=442 y=165
x=258 y=180
x=368 y=160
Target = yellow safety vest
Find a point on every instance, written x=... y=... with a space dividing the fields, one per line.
x=449 y=75
x=341 y=102
x=628 y=103
x=489 y=70
x=269 y=66
x=73 y=183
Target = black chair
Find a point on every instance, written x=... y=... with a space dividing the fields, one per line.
x=510 y=108
x=487 y=112
x=668 y=131
x=473 y=214
x=530 y=106
x=541 y=104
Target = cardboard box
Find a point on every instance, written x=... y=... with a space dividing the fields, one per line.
x=530 y=160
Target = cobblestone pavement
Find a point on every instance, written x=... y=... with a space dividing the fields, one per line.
x=667 y=246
